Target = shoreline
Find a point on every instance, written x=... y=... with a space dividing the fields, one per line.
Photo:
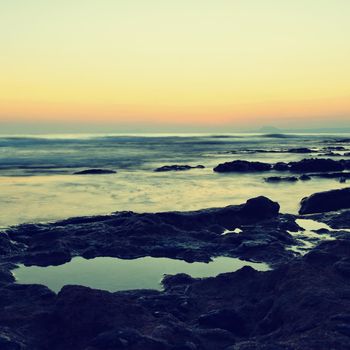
x=239 y=310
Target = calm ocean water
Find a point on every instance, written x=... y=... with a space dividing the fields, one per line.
x=37 y=182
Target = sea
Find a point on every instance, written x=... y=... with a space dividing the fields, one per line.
x=37 y=181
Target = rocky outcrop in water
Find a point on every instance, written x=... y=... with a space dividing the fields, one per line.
x=301 y=150
x=242 y=166
x=95 y=172
x=178 y=167
x=308 y=165
x=276 y=179
x=315 y=164
x=326 y=201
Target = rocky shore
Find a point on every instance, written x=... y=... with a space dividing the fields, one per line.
x=303 y=302
x=307 y=165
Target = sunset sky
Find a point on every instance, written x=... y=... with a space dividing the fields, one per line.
x=166 y=62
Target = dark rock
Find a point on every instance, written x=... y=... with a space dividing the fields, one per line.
x=260 y=208
x=242 y=166
x=343 y=267
x=227 y=319
x=303 y=303
x=304 y=177
x=329 y=154
x=190 y=236
x=320 y=257
x=275 y=179
x=334 y=148
x=343 y=317
x=126 y=339
x=333 y=175
x=345 y=163
x=252 y=345
x=178 y=167
x=326 y=201
x=315 y=164
x=50 y=257
x=95 y=172
x=301 y=150
x=281 y=166
x=6 y=343
x=180 y=278
x=343 y=329
x=6 y=275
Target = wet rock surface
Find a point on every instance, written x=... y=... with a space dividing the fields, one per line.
x=303 y=303
x=190 y=236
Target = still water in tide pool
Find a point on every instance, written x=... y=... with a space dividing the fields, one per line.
x=114 y=274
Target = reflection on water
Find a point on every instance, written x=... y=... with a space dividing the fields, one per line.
x=119 y=274
x=308 y=238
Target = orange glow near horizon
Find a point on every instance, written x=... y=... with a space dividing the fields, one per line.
x=187 y=62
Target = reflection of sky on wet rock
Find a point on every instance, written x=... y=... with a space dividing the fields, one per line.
x=47 y=196
x=120 y=274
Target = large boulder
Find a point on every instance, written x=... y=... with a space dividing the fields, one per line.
x=242 y=166
x=326 y=201
x=260 y=208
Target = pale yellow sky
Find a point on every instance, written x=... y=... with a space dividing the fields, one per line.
x=184 y=61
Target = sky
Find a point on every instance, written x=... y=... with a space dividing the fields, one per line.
x=169 y=63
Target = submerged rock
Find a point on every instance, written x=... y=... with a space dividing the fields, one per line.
x=95 y=172
x=305 y=177
x=242 y=166
x=326 y=201
x=333 y=175
x=334 y=148
x=301 y=150
x=178 y=167
x=281 y=166
x=275 y=179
